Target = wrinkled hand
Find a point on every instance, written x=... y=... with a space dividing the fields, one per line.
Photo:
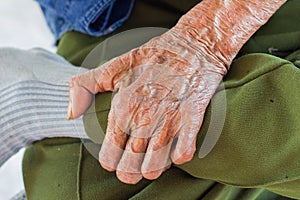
x=163 y=91
x=164 y=87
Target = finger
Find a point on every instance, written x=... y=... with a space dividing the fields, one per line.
x=119 y=127
x=103 y=78
x=186 y=141
x=156 y=162
x=183 y=153
x=79 y=99
x=113 y=145
x=129 y=168
x=157 y=158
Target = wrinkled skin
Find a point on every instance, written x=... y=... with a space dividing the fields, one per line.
x=165 y=85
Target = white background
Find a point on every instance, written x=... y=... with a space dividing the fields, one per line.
x=22 y=25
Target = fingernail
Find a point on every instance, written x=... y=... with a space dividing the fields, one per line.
x=71 y=87
x=69 y=117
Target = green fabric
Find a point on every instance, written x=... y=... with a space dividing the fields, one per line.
x=259 y=145
x=55 y=182
x=280 y=36
x=50 y=169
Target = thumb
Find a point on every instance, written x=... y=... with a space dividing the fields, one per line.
x=79 y=99
x=103 y=78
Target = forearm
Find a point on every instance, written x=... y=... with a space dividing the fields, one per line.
x=222 y=27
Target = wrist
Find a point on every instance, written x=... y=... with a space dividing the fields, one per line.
x=221 y=28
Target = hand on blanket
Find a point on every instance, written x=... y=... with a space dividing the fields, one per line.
x=164 y=87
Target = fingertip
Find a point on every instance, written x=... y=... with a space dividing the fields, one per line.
x=152 y=175
x=79 y=101
x=179 y=157
x=129 y=178
x=106 y=164
x=156 y=161
x=185 y=146
x=109 y=161
x=69 y=115
x=107 y=168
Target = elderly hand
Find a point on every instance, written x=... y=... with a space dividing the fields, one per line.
x=165 y=85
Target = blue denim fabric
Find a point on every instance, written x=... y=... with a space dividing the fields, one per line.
x=93 y=17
